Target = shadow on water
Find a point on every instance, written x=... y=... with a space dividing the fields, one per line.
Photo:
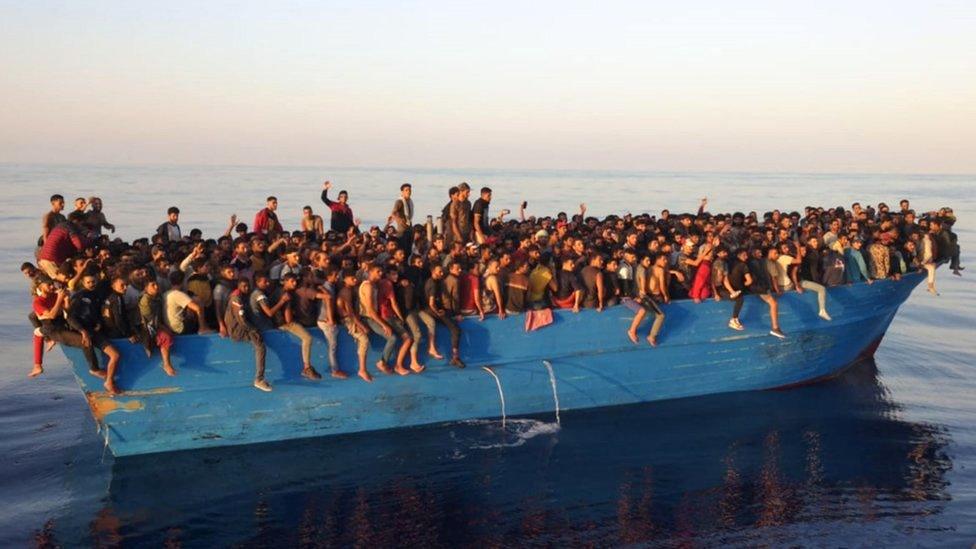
x=738 y=468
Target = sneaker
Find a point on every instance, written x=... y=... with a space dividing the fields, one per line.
x=777 y=333
x=825 y=316
x=736 y=325
x=262 y=385
x=310 y=373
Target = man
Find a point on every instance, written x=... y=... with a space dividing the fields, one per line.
x=379 y=308
x=63 y=242
x=656 y=292
x=402 y=218
x=176 y=303
x=346 y=302
x=592 y=275
x=482 y=221
x=222 y=290
x=116 y=321
x=285 y=320
x=517 y=289
x=328 y=319
x=312 y=224
x=434 y=292
x=84 y=317
x=342 y=219
x=240 y=329
x=809 y=274
x=408 y=300
x=569 y=292
x=95 y=219
x=154 y=330
x=49 y=305
x=460 y=215
x=446 y=225
x=266 y=220
x=170 y=230
x=52 y=218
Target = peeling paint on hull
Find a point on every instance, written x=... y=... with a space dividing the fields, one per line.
x=211 y=402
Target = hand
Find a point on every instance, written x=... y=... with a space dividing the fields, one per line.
x=799 y=289
x=704 y=201
x=505 y=211
x=481 y=316
x=233 y=220
x=285 y=297
x=112 y=228
x=718 y=297
x=599 y=308
x=501 y=315
x=870 y=281
x=327 y=185
x=133 y=339
x=582 y=206
x=387 y=331
x=575 y=309
x=223 y=331
x=85 y=339
x=356 y=221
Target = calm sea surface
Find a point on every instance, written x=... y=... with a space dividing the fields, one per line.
x=884 y=456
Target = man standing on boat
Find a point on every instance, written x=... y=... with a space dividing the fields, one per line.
x=266 y=220
x=342 y=219
x=402 y=218
x=460 y=214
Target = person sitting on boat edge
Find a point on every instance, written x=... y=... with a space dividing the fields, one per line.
x=649 y=296
x=240 y=329
x=85 y=317
x=348 y=306
x=434 y=310
x=285 y=319
x=155 y=334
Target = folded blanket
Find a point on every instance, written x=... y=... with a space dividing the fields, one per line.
x=537 y=319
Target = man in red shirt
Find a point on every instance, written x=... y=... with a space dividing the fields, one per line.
x=62 y=242
x=266 y=220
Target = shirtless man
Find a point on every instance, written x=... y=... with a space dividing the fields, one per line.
x=656 y=291
x=312 y=223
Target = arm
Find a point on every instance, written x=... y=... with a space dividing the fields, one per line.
x=326 y=299
x=599 y=291
x=477 y=228
x=44 y=227
x=230 y=227
x=495 y=288
x=663 y=284
x=271 y=311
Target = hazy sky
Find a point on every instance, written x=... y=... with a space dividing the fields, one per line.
x=885 y=86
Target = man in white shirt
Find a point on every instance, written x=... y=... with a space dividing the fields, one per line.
x=175 y=304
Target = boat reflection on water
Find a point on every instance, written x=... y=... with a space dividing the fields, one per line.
x=734 y=468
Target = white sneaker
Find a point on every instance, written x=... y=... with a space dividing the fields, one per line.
x=736 y=325
x=777 y=333
x=825 y=316
x=735 y=294
x=262 y=385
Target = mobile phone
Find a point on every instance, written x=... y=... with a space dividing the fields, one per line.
x=525 y=204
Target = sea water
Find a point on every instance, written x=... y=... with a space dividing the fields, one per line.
x=885 y=455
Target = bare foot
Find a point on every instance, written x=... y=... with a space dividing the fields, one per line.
x=111 y=389
x=36 y=371
x=632 y=336
x=339 y=374
x=401 y=370
x=168 y=368
x=381 y=366
x=652 y=340
x=434 y=354
x=366 y=376
x=98 y=373
x=417 y=367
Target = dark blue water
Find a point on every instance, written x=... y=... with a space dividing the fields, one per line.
x=884 y=456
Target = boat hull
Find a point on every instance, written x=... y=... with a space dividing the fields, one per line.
x=212 y=403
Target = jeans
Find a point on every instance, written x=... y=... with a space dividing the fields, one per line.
x=301 y=333
x=820 y=290
x=389 y=347
x=430 y=319
x=331 y=333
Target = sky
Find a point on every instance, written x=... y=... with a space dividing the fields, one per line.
x=852 y=86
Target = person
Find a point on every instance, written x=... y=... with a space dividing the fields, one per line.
x=517 y=289
x=930 y=256
x=460 y=215
x=116 y=321
x=542 y=282
x=447 y=227
x=52 y=218
x=342 y=219
x=284 y=319
x=569 y=289
x=155 y=333
x=481 y=219
x=50 y=304
x=856 y=267
x=312 y=224
x=592 y=276
x=226 y=285
x=176 y=303
x=408 y=302
x=806 y=274
x=402 y=218
x=369 y=310
x=84 y=317
x=649 y=302
x=240 y=329
x=737 y=282
x=266 y=220
x=169 y=231
x=95 y=219
x=435 y=312
x=880 y=258
x=328 y=318
x=61 y=243
x=348 y=307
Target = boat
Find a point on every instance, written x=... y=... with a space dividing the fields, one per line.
x=582 y=360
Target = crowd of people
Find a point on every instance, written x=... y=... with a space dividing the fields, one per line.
x=400 y=281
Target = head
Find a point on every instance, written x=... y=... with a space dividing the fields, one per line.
x=29 y=270
x=406 y=190
x=486 y=194
x=272 y=203
x=57 y=203
x=173 y=214
x=227 y=272
x=261 y=281
x=96 y=204
x=89 y=281
x=119 y=284
x=307 y=212
x=244 y=285
x=151 y=287
x=80 y=204
x=289 y=282
x=454 y=269
x=437 y=272
x=742 y=254
x=343 y=197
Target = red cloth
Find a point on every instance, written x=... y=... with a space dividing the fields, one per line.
x=164 y=339
x=383 y=294
x=43 y=304
x=38 y=349
x=701 y=287
x=470 y=292
x=266 y=221
x=536 y=319
x=62 y=243
x=564 y=303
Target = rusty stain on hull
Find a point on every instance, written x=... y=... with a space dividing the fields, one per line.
x=102 y=404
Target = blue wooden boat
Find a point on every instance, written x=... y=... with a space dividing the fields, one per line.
x=580 y=361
